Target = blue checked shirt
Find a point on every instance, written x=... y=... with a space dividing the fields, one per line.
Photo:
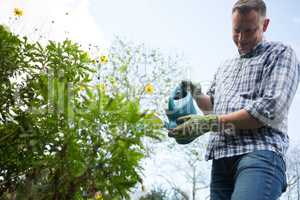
x=263 y=82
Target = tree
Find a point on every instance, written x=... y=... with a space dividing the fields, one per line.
x=181 y=169
x=194 y=169
x=155 y=194
x=293 y=174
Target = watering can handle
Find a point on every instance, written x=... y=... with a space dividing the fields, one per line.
x=171 y=103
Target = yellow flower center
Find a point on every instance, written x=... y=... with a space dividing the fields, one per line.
x=98 y=196
x=104 y=59
x=149 y=88
x=18 y=12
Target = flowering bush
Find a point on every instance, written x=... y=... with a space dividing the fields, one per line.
x=59 y=140
x=71 y=126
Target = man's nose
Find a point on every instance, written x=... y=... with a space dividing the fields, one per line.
x=241 y=37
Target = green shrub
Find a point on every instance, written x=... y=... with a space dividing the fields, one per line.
x=61 y=135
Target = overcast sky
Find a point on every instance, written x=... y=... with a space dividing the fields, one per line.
x=199 y=29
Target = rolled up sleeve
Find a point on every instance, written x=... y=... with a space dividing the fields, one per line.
x=280 y=79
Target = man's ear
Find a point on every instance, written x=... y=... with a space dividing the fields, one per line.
x=266 y=24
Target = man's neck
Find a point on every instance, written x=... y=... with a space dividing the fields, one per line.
x=252 y=50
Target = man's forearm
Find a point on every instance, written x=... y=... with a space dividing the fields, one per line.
x=240 y=120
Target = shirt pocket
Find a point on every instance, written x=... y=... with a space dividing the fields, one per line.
x=249 y=80
x=226 y=81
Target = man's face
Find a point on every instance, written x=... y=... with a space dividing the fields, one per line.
x=248 y=30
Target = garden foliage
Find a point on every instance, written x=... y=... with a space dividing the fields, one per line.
x=64 y=134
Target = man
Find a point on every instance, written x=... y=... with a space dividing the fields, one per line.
x=248 y=102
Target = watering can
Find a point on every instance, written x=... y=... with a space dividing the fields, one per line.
x=181 y=103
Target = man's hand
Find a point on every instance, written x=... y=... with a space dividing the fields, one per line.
x=194 y=88
x=195 y=125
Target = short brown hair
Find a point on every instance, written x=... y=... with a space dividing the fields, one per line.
x=245 y=6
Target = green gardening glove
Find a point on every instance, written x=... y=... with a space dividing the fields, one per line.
x=194 y=126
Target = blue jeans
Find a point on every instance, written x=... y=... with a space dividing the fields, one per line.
x=259 y=175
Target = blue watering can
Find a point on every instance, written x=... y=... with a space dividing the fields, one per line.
x=180 y=104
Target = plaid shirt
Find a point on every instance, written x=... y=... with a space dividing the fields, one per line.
x=263 y=82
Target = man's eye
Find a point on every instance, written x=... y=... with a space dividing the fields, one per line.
x=237 y=31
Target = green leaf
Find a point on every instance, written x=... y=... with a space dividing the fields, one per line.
x=123 y=68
